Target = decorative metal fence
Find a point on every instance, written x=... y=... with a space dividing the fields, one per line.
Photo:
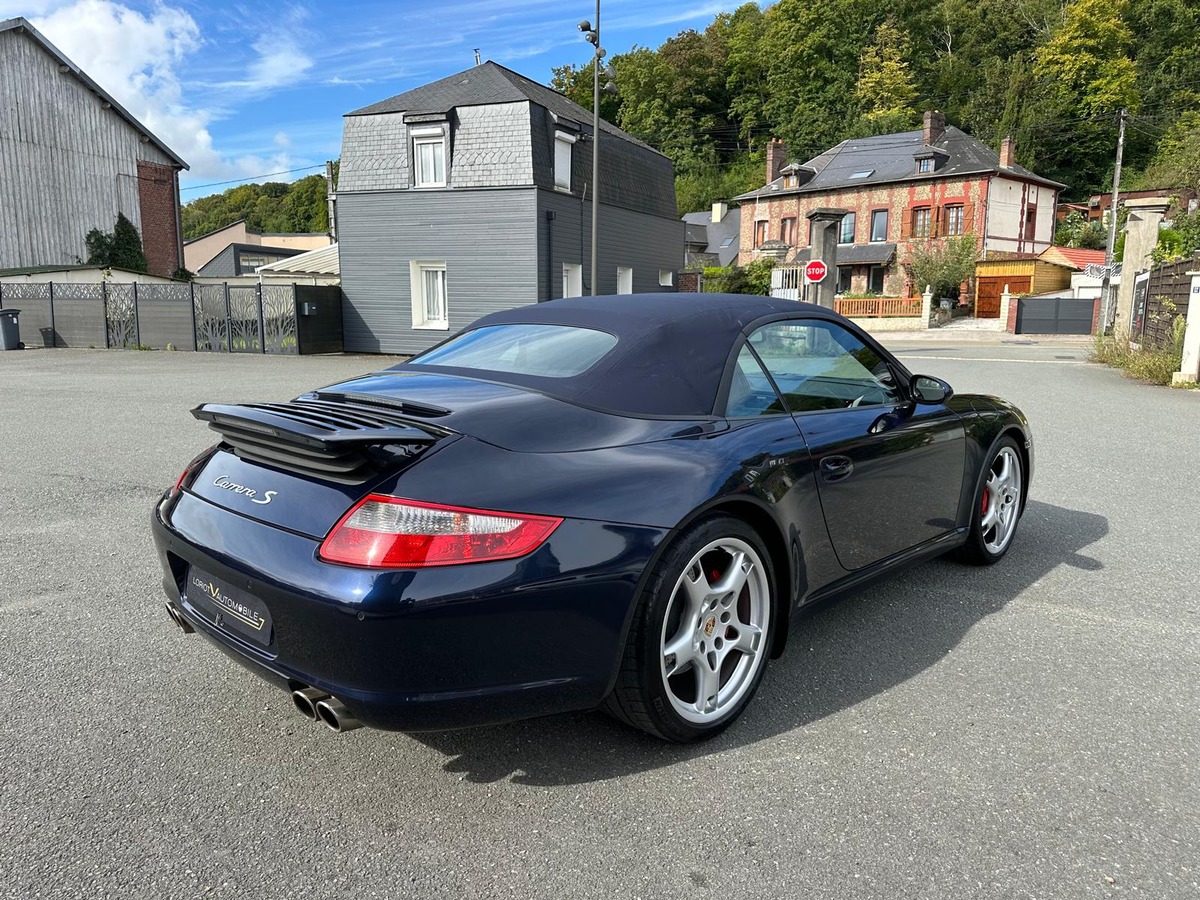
x=218 y=318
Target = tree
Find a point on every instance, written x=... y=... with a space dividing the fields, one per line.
x=885 y=86
x=1076 y=231
x=1176 y=163
x=943 y=267
x=121 y=248
x=274 y=206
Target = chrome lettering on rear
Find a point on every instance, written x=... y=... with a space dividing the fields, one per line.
x=225 y=484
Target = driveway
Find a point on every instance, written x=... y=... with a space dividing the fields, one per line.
x=1029 y=730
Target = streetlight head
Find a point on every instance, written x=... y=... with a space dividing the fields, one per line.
x=610 y=88
x=590 y=37
x=585 y=25
x=601 y=53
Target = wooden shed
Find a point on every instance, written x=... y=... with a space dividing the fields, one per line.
x=1023 y=276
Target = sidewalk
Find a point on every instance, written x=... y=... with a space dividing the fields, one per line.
x=982 y=331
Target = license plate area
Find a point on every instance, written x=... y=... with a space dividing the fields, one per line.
x=228 y=607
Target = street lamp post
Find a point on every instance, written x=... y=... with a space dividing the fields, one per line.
x=592 y=36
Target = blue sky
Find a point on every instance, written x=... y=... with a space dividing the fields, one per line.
x=241 y=89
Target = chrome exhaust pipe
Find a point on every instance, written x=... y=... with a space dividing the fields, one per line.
x=184 y=625
x=306 y=699
x=334 y=714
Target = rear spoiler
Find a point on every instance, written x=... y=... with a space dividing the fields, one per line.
x=345 y=441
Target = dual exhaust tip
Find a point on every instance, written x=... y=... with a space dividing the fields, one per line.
x=313 y=703
x=318 y=705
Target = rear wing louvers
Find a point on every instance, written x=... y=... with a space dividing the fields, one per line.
x=340 y=441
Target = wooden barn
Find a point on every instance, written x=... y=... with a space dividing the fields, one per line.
x=72 y=158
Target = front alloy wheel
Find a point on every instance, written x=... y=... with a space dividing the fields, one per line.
x=998 y=506
x=701 y=634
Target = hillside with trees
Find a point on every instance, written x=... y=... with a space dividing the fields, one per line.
x=272 y=207
x=1052 y=73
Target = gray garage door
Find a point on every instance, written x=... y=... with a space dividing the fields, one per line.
x=1054 y=315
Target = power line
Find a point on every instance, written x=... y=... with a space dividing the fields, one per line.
x=196 y=187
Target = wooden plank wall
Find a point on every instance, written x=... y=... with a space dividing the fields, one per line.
x=1168 y=284
x=67 y=164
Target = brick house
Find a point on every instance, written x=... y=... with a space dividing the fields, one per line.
x=72 y=158
x=901 y=190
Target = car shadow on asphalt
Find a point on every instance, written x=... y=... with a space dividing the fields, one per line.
x=839 y=654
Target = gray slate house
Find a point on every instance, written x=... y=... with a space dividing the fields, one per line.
x=473 y=194
x=712 y=238
x=72 y=158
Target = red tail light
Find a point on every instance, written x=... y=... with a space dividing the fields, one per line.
x=384 y=532
x=185 y=476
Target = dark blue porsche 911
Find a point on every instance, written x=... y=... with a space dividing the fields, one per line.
x=605 y=501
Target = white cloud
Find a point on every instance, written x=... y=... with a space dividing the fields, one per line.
x=138 y=56
x=281 y=140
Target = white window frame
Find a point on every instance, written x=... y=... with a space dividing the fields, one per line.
x=624 y=279
x=562 y=179
x=417 y=270
x=666 y=277
x=422 y=137
x=572 y=283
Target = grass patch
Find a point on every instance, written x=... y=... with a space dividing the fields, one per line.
x=1154 y=365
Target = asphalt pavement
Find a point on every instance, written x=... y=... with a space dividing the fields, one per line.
x=1027 y=730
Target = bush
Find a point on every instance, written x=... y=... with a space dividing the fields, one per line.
x=753 y=278
x=1155 y=365
x=121 y=248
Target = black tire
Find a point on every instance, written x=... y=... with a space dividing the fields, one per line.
x=641 y=697
x=979 y=550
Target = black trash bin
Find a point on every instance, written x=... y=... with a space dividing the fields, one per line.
x=10 y=331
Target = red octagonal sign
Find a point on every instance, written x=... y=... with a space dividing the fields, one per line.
x=815 y=271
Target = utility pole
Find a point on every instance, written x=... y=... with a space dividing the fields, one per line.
x=596 y=145
x=1106 y=291
x=592 y=36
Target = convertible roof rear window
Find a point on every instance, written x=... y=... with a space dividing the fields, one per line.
x=544 y=351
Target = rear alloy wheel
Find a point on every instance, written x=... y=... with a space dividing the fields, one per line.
x=701 y=635
x=998 y=506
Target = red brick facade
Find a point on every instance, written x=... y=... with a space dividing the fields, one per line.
x=689 y=282
x=901 y=202
x=160 y=217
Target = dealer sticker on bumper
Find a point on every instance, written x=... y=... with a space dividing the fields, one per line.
x=229 y=608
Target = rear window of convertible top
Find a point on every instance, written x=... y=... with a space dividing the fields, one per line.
x=547 y=351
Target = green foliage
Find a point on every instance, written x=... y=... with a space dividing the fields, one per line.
x=1156 y=365
x=698 y=187
x=183 y=274
x=885 y=86
x=943 y=266
x=754 y=278
x=1176 y=162
x=121 y=248
x=1052 y=73
x=272 y=206
x=1076 y=231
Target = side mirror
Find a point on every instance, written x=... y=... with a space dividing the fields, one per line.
x=927 y=389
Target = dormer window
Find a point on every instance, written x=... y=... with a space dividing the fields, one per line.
x=563 y=144
x=925 y=166
x=429 y=157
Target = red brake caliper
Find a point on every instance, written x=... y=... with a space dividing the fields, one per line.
x=983 y=509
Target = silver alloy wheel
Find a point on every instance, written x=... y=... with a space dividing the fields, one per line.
x=714 y=630
x=1001 y=503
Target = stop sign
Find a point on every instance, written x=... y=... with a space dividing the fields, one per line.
x=815 y=271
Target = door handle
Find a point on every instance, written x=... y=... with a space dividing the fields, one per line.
x=835 y=468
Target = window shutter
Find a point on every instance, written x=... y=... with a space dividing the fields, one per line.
x=935 y=224
x=968 y=218
x=906 y=225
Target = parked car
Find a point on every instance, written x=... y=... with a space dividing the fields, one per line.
x=605 y=501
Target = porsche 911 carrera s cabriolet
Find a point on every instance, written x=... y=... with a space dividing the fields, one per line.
x=615 y=502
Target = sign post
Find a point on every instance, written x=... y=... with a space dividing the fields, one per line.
x=824 y=228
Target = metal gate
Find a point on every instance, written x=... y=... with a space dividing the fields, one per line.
x=1055 y=315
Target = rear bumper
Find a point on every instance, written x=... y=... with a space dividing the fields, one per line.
x=420 y=649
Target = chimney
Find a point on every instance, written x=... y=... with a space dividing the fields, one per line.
x=719 y=211
x=934 y=127
x=776 y=158
x=1008 y=150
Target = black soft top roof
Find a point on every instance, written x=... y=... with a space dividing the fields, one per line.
x=670 y=354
